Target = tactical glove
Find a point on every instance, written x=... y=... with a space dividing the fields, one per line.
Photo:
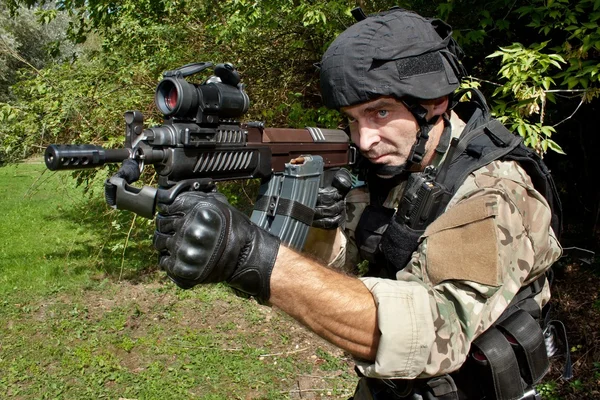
x=202 y=239
x=330 y=211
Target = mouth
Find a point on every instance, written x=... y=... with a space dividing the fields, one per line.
x=376 y=159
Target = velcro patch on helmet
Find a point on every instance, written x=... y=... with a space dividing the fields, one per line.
x=419 y=65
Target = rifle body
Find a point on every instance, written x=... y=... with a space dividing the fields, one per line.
x=190 y=156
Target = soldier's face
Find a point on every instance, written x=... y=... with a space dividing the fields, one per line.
x=383 y=129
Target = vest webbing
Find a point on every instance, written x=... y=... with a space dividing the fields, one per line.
x=493 y=142
x=485 y=140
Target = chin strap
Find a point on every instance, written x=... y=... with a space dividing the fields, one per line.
x=417 y=152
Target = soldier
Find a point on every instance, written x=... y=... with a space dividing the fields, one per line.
x=439 y=314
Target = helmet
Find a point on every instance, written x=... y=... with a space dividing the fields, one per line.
x=394 y=53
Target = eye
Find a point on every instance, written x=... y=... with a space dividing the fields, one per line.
x=349 y=121
x=382 y=113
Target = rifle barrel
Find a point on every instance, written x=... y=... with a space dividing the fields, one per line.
x=62 y=157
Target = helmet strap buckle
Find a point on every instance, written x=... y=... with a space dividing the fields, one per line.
x=417 y=152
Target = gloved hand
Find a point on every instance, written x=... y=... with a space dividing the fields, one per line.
x=330 y=211
x=202 y=239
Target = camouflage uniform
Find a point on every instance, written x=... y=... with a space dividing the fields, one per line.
x=493 y=238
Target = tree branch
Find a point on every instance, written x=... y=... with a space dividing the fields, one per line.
x=573 y=113
x=483 y=80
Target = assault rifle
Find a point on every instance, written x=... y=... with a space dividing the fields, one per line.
x=202 y=142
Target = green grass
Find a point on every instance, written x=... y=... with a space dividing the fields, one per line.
x=41 y=250
x=71 y=329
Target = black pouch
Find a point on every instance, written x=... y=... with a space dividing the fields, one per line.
x=372 y=225
x=437 y=388
x=493 y=367
x=527 y=340
x=399 y=243
x=441 y=388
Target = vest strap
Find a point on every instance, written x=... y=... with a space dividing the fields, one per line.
x=497 y=365
x=527 y=341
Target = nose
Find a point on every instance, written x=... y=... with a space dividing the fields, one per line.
x=365 y=137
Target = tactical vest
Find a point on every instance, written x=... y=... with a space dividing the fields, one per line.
x=513 y=349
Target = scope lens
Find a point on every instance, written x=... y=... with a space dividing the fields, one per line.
x=171 y=98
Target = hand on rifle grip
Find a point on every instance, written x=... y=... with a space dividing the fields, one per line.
x=330 y=211
x=202 y=239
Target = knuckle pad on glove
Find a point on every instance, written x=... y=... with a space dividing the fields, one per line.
x=185 y=270
x=201 y=241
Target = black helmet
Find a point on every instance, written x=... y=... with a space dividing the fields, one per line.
x=394 y=53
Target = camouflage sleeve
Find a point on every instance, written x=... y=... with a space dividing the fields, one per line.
x=494 y=237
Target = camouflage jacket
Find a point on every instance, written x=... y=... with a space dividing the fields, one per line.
x=493 y=238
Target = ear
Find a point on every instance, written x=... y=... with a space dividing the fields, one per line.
x=436 y=106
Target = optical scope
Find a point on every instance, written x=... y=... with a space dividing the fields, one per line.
x=220 y=97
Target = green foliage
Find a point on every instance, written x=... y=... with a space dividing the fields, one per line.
x=548 y=390
x=81 y=102
x=27 y=43
x=301 y=116
x=573 y=32
x=536 y=78
x=525 y=93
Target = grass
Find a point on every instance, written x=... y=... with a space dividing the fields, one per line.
x=74 y=326
x=84 y=317
x=40 y=251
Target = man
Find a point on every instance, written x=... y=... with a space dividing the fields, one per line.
x=430 y=293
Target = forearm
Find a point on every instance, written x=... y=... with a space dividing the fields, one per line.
x=337 y=307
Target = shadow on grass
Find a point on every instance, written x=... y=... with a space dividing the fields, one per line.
x=117 y=243
x=121 y=242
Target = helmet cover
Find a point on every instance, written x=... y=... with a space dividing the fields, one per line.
x=394 y=53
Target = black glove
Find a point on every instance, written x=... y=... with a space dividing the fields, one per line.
x=202 y=239
x=330 y=211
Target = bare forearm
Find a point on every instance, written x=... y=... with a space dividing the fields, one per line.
x=338 y=308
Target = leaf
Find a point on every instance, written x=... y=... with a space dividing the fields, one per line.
x=547 y=130
x=590 y=25
x=555 y=147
